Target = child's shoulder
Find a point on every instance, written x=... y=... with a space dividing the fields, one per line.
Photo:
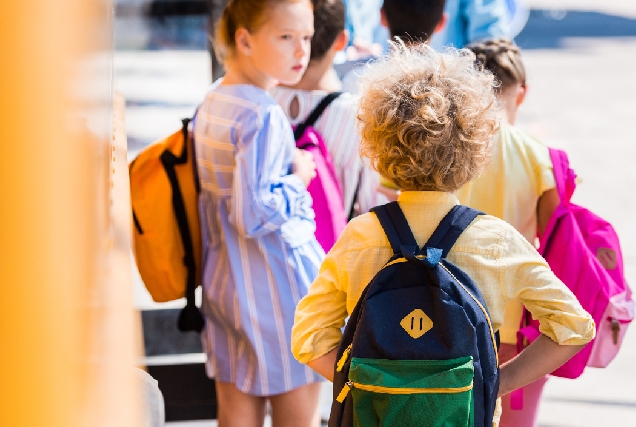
x=485 y=233
x=248 y=103
x=345 y=100
x=341 y=110
x=363 y=232
x=492 y=235
x=511 y=134
x=248 y=96
x=526 y=145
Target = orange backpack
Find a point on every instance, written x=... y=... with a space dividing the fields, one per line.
x=164 y=189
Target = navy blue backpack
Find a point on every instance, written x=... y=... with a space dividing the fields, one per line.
x=419 y=348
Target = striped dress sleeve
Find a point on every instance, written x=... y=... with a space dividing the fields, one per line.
x=265 y=195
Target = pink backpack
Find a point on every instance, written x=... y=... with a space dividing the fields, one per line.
x=583 y=251
x=325 y=188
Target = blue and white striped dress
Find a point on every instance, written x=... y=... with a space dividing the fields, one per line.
x=260 y=253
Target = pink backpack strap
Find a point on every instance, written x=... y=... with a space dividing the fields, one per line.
x=564 y=176
x=565 y=180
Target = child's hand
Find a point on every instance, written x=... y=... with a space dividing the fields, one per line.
x=303 y=166
x=538 y=359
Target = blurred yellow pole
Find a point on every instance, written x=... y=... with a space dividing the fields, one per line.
x=69 y=336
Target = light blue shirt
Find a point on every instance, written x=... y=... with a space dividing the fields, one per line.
x=472 y=20
x=363 y=20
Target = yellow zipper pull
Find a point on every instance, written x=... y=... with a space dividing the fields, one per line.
x=343 y=359
x=344 y=392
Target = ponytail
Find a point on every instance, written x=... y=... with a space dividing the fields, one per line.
x=503 y=58
x=223 y=39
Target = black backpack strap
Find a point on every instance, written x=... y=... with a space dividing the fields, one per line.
x=195 y=170
x=396 y=227
x=352 y=210
x=401 y=224
x=315 y=114
x=190 y=318
x=450 y=228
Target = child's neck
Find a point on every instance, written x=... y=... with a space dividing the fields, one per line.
x=241 y=72
x=320 y=75
x=507 y=116
x=511 y=101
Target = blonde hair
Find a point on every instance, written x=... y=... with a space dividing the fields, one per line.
x=427 y=119
x=503 y=58
x=249 y=14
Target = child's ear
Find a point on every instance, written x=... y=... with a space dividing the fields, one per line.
x=383 y=19
x=243 y=40
x=522 y=90
x=442 y=23
x=341 y=41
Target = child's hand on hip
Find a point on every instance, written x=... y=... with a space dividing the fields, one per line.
x=303 y=166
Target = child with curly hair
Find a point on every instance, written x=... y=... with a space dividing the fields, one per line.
x=518 y=187
x=427 y=122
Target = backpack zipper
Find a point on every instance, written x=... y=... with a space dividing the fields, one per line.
x=343 y=358
x=616 y=327
x=399 y=390
x=492 y=332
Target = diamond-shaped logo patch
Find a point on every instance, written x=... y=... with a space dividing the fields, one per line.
x=607 y=258
x=416 y=323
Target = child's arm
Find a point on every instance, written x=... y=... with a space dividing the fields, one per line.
x=538 y=359
x=564 y=325
x=321 y=314
x=263 y=197
x=324 y=365
x=546 y=206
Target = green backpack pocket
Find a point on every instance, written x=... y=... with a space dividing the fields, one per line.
x=405 y=393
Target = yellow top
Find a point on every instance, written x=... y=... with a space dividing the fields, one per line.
x=520 y=172
x=500 y=261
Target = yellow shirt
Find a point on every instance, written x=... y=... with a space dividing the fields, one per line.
x=519 y=173
x=500 y=261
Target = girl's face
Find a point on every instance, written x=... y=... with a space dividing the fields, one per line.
x=280 y=48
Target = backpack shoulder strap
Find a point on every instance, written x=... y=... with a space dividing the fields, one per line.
x=195 y=171
x=395 y=226
x=450 y=228
x=564 y=176
x=315 y=114
x=190 y=318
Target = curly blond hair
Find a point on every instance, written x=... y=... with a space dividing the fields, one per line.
x=427 y=119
